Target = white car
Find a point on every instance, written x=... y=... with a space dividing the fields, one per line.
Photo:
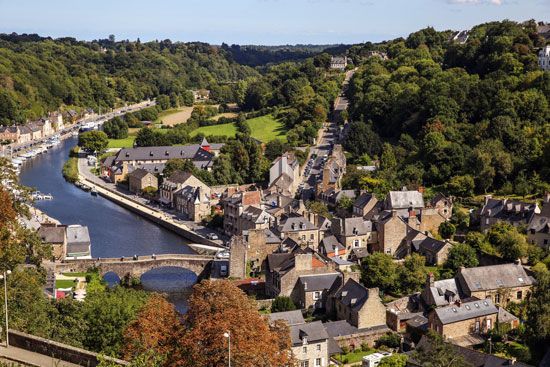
x=212 y=236
x=222 y=255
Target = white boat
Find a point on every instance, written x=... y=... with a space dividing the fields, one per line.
x=37 y=195
x=17 y=161
x=27 y=155
x=47 y=197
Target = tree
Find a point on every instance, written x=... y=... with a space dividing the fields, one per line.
x=282 y=303
x=437 y=353
x=178 y=164
x=217 y=307
x=508 y=242
x=274 y=148
x=156 y=328
x=146 y=138
x=108 y=314
x=345 y=203
x=538 y=315
x=379 y=270
x=395 y=360
x=446 y=230
x=93 y=141
x=318 y=207
x=412 y=274
x=460 y=255
x=116 y=128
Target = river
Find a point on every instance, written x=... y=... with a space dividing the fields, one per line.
x=114 y=231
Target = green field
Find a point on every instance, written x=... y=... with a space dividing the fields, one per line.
x=64 y=283
x=122 y=143
x=264 y=128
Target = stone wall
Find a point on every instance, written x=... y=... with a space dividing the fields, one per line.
x=237 y=258
x=368 y=336
x=57 y=350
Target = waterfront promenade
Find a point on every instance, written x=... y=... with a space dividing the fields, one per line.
x=190 y=231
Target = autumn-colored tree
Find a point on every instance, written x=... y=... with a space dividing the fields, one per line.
x=156 y=329
x=217 y=307
x=7 y=211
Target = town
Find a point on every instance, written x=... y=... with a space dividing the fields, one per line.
x=372 y=204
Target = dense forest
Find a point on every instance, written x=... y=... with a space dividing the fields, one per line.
x=465 y=118
x=39 y=74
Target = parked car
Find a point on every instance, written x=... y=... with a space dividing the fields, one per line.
x=212 y=236
x=223 y=255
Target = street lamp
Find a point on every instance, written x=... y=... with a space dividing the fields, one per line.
x=228 y=336
x=5 y=278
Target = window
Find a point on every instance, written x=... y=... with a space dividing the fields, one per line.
x=312 y=236
x=545 y=242
x=316 y=296
x=489 y=324
x=519 y=295
x=318 y=361
x=318 y=347
x=497 y=298
x=303 y=237
x=304 y=349
x=477 y=327
x=356 y=243
x=304 y=364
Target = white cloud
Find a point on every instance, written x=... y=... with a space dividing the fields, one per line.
x=493 y=2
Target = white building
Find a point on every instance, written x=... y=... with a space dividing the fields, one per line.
x=338 y=62
x=544 y=58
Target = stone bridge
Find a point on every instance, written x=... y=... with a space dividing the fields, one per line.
x=136 y=268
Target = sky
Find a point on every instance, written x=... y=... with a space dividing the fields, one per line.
x=266 y=22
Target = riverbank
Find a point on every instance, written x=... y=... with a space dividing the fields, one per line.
x=152 y=214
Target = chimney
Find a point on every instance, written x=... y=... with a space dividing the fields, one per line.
x=487 y=197
x=412 y=213
x=517 y=262
x=546 y=199
x=421 y=189
x=305 y=286
x=430 y=280
x=394 y=213
x=461 y=269
x=458 y=302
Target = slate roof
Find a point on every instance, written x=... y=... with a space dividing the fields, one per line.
x=78 y=234
x=52 y=234
x=194 y=152
x=494 y=277
x=291 y=317
x=149 y=167
x=138 y=173
x=362 y=200
x=255 y=214
x=356 y=226
x=330 y=243
x=431 y=245
x=405 y=199
x=443 y=288
x=508 y=210
x=466 y=311
x=418 y=322
x=505 y=316
x=312 y=283
x=339 y=328
x=352 y=294
x=539 y=223
x=296 y=224
x=313 y=331
x=360 y=252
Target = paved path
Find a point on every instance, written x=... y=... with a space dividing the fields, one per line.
x=27 y=358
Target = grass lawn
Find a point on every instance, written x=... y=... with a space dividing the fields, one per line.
x=122 y=143
x=174 y=116
x=264 y=128
x=353 y=357
x=64 y=283
x=75 y=274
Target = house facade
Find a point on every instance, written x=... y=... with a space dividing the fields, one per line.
x=139 y=179
x=56 y=237
x=504 y=210
x=544 y=58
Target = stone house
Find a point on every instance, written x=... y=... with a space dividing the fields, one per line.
x=283 y=271
x=343 y=334
x=56 y=237
x=139 y=179
x=9 y=133
x=254 y=217
x=338 y=62
x=404 y=200
x=314 y=289
x=505 y=210
x=359 y=306
x=441 y=292
x=193 y=202
x=36 y=130
x=464 y=323
x=56 y=119
x=72 y=116
x=538 y=231
x=333 y=171
x=46 y=127
x=443 y=205
x=299 y=229
x=331 y=247
x=284 y=174
x=177 y=181
x=79 y=245
x=363 y=204
x=24 y=135
x=435 y=251
x=501 y=283
x=309 y=341
x=354 y=232
x=234 y=206
x=260 y=243
x=392 y=229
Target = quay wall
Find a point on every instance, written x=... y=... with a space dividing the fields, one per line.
x=149 y=214
x=58 y=350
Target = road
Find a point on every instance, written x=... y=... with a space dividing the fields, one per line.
x=27 y=358
x=322 y=149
